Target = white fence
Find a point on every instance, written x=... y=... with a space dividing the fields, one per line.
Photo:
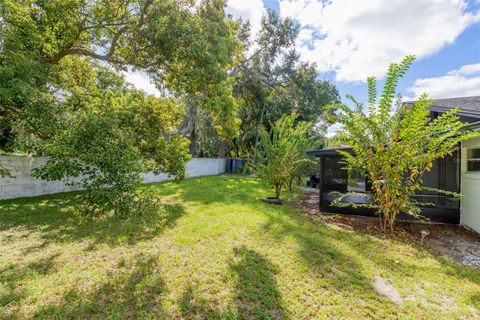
x=24 y=185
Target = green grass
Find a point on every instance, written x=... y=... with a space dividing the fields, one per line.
x=219 y=253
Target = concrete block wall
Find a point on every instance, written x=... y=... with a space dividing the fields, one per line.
x=196 y=167
x=24 y=185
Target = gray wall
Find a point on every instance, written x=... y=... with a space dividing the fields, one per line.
x=24 y=185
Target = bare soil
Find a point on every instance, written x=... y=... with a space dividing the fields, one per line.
x=453 y=241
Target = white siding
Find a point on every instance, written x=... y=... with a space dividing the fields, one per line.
x=470 y=189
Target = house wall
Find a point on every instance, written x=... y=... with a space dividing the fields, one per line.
x=470 y=189
x=24 y=185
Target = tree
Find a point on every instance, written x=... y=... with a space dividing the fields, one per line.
x=61 y=93
x=282 y=152
x=395 y=144
x=269 y=82
x=123 y=133
x=197 y=127
x=273 y=81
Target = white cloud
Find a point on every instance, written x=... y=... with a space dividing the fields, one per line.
x=462 y=82
x=466 y=69
x=251 y=10
x=141 y=80
x=357 y=39
x=332 y=130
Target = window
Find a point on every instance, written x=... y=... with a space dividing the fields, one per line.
x=473 y=159
x=334 y=176
x=356 y=181
x=337 y=178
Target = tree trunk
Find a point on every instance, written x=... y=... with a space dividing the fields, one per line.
x=193 y=144
x=259 y=123
x=290 y=184
x=278 y=189
x=222 y=151
x=299 y=180
x=235 y=148
x=388 y=221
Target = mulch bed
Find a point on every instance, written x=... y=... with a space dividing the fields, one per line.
x=455 y=241
x=272 y=200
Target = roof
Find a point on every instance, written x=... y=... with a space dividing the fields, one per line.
x=328 y=152
x=467 y=106
x=474 y=126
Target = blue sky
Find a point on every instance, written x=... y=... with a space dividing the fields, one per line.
x=353 y=39
x=350 y=40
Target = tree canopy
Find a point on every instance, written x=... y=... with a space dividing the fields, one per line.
x=62 y=93
x=274 y=82
x=269 y=82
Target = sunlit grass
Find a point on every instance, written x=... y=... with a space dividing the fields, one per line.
x=215 y=252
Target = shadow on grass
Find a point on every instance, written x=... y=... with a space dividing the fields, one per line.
x=335 y=269
x=194 y=306
x=53 y=217
x=131 y=293
x=13 y=274
x=256 y=293
x=336 y=259
x=342 y=259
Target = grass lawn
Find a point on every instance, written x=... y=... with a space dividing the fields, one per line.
x=219 y=253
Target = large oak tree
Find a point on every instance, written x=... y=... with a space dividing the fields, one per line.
x=61 y=93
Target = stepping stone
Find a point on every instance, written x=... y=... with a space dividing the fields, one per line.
x=383 y=288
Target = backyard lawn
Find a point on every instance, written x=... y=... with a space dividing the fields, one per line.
x=218 y=252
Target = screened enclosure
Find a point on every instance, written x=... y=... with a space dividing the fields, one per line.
x=445 y=175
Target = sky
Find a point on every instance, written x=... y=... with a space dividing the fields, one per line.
x=349 y=40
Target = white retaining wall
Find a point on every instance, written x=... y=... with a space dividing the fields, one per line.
x=24 y=185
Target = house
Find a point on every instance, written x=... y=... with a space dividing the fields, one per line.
x=459 y=172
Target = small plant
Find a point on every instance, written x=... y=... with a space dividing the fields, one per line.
x=281 y=154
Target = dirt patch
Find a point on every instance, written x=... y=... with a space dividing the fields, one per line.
x=460 y=249
x=454 y=241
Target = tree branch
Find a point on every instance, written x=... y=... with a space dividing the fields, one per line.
x=114 y=43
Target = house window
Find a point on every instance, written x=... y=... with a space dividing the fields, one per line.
x=473 y=159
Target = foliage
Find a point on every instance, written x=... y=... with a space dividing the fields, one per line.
x=5 y=173
x=281 y=154
x=197 y=127
x=395 y=144
x=125 y=133
x=269 y=82
x=273 y=81
x=62 y=94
